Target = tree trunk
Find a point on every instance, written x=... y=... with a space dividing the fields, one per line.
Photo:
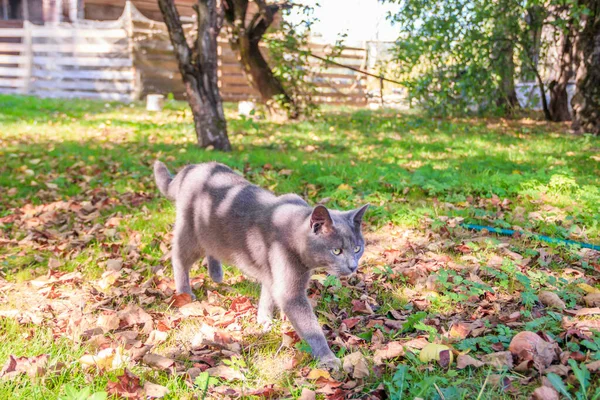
x=261 y=77
x=586 y=102
x=245 y=36
x=198 y=68
x=506 y=70
x=559 y=98
x=504 y=63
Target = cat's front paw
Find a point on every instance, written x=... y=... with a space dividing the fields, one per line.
x=330 y=362
x=265 y=323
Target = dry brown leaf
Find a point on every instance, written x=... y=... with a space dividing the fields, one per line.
x=195 y=309
x=307 y=394
x=594 y=366
x=158 y=361
x=356 y=365
x=561 y=370
x=127 y=386
x=155 y=391
x=592 y=300
x=551 y=299
x=209 y=336
x=584 y=311
x=418 y=343
x=545 y=393
x=108 y=321
x=499 y=360
x=459 y=331
x=390 y=350
x=180 y=299
x=465 y=360
x=114 y=264
x=266 y=392
x=156 y=337
x=316 y=373
x=32 y=366
x=225 y=372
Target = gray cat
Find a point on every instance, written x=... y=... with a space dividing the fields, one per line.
x=277 y=240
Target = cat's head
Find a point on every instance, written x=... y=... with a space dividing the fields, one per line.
x=335 y=239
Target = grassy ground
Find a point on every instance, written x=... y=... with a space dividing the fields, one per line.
x=77 y=193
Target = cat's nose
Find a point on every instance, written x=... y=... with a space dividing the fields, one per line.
x=353 y=266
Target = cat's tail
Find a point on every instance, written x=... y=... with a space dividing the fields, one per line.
x=163 y=178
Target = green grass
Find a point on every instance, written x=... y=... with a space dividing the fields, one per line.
x=416 y=172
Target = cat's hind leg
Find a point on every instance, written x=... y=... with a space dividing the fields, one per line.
x=184 y=254
x=215 y=269
x=266 y=306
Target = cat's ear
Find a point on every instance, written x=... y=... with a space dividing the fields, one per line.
x=320 y=220
x=357 y=215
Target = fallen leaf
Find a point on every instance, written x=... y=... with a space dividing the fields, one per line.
x=464 y=360
x=418 y=343
x=588 y=288
x=267 y=392
x=551 y=299
x=195 y=309
x=316 y=373
x=114 y=265
x=356 y=365
x=179 y=300
x=584 y=311
x=351 y=322
x=157 y=361
x=127 y=386
x=156 y=337
x=594 y=366
x=155 y=391
x=459 y=331
x=108 y=321
x=499 y=360
x=31 y=366
x=561 y=370
x=225 y=372
x=307 y=394
x=135 y=315
x=545 y=393
x=391 y=350
x=359 y=306
x=209 y=336
x=592 y=300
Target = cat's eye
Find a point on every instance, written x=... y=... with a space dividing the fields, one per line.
x=357 y=249
x=336 y=252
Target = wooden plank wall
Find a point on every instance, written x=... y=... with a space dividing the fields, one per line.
x=335 y=85
x=82 y=62
x=13 y=58
x=154 y=59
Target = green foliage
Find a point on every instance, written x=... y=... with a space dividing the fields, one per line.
x=463 y=56
x=289 y=58
x=583 y=376
x=85 y=393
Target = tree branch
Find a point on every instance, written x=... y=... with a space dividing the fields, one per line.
x=173 y=21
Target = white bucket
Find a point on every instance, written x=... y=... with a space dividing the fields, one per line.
x=154 y=102
x=245 y=108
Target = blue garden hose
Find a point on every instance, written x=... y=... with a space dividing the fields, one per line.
x=547 y=239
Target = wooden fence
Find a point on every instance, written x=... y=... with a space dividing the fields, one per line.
x=125 y=59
